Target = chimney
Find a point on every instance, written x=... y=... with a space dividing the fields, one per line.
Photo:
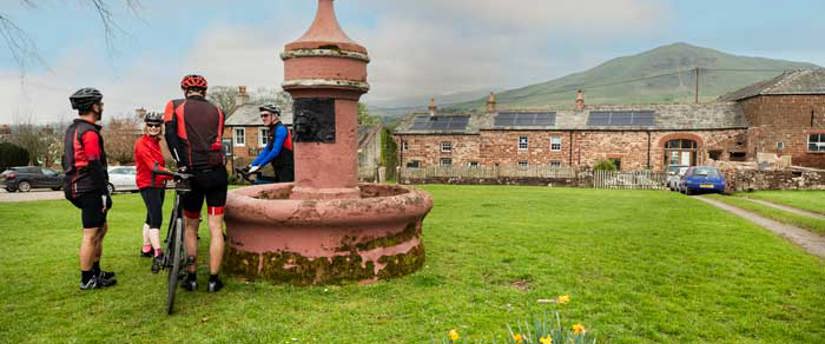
x=491 y=103
x=432 y=107
x=242 y=97
x=141 y=113
x=579 y=100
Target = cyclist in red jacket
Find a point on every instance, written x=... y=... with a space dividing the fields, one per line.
x=194 y=133
x=149 y=161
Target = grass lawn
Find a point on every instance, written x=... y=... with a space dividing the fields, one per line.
x=814 y=225
x=640 y=266
x=807 y=200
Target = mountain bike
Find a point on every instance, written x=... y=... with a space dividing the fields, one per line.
x=175 y=257
x=255 y=178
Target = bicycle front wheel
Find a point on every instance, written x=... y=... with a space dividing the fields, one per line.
x=176 y=246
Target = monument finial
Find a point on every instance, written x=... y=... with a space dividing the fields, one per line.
x=325 y=31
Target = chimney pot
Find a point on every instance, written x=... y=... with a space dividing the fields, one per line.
x=491 y=103
x=432 y=107
x=580 y=100
x=242 y=97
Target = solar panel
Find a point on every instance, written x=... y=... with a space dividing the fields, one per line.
x=621 y=118
x=525 y=119
x=440 y=123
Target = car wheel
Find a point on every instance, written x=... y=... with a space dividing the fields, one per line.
x=688 y=191
x=110 y=188
x=57 y=188
x=10 y=189
x=24 y=186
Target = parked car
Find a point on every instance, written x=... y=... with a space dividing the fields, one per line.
x=25 y=178
x=699 y=179
x=674 y=174
x=122 y=178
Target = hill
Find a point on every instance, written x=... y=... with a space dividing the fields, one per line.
x=662 y=75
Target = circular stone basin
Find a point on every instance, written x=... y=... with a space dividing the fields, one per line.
x=273 y=237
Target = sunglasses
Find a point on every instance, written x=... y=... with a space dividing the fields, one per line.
x=153 y=125
x=264 y=115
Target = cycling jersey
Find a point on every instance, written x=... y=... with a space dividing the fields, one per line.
x=148 y=157
x=84 y=160
x=279 y=149
x=194 y=131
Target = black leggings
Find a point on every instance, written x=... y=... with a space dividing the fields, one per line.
x=153 y=199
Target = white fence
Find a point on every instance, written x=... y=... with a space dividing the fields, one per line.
x=629 y=180
x=488 y=172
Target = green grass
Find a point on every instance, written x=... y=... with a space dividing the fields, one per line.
x=801 y=221
x=813 y=201
x=641 y=267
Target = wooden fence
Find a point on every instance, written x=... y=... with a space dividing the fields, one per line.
x=629 y=180
x=488 y=172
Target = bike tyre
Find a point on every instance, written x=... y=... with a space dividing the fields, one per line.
x=175 y=256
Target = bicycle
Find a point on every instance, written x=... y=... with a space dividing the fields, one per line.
x=175 y=256
x=259 y=179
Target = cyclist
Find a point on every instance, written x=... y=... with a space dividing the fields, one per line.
x=151 y=180
x=84 y=162
x=278 y=150
x=194 y=130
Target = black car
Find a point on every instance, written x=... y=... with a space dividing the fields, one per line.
x=25 y=178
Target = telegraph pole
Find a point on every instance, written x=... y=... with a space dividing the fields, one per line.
x=696 y=81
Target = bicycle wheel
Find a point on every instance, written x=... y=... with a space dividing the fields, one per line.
x=176 y=248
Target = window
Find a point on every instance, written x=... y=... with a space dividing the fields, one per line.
x=263 y=137
x=522 y=142
x=446 y=162
x=780 y=145
x=523 y=164
x=714 y=154
x=446 y=147
x=240 y=137
x=616 y=162
x=472 y=164
x=680 y=152
x=405 y=146
x=816 y=143
x=555 y=143
x=413 y=164
x=555 y=163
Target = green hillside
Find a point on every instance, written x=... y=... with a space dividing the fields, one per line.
x=662 y=75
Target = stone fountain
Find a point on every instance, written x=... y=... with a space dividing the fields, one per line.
x=325 y=227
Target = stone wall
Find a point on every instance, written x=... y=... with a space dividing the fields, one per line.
x=583 y=181
x=502 y=147
x=426 y=149
x=786 y=119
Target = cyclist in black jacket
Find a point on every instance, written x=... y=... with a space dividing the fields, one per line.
x=84 y=162
x=194 y=131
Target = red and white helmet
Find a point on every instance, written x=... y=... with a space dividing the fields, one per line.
x=193 y=81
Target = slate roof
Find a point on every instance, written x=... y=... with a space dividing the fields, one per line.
x=247 y=115
x=808 y=81
x=717 y=115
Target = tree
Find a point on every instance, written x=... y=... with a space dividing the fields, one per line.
x=364 y=117
x=12 y=155
x=119 y=137
x=33 y=138
x=225 y=97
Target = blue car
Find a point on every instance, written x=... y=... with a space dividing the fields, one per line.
x=701 y=179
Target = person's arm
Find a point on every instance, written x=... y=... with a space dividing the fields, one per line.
x=176 y=146
x=274 y=149
x=92 y=149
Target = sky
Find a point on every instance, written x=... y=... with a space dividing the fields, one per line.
x=418 y=48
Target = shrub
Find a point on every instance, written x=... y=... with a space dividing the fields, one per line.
x=605 y=165
x=12 y=155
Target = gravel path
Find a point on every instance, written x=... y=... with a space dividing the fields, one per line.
x=811 y=242
x=34 y=195
x=796 y=211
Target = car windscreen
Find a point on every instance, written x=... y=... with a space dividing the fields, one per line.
x=706 y=171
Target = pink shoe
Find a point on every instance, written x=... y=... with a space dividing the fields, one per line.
x=147 y=251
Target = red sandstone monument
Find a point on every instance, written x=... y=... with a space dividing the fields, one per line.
x=325 y=228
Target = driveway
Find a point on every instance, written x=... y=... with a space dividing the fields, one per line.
x=34 y=195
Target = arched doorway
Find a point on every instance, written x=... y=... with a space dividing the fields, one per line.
x=681 y=152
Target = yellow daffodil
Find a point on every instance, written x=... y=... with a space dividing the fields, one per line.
x=546 y=340
x=562 y=299
x=453 y=335
x=579 y=329
x=518 y=338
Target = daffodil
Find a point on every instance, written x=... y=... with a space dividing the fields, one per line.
x=518 y=338
x=546 y=340
x=579 y=329
x=562 y=299
x=453 y=335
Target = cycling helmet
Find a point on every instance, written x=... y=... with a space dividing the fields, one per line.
x=193 y=81
x=270 y=108
x=84 y=98
x=153 y=117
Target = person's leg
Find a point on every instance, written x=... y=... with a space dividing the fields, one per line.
x=192 y=203
x=155 y=209
x=88 y=246
x=215 y=200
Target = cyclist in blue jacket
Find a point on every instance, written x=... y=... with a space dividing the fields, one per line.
x=278 y=150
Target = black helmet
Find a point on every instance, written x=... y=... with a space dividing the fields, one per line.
x=84 y=98
x=270 y=108
x=153 y=117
